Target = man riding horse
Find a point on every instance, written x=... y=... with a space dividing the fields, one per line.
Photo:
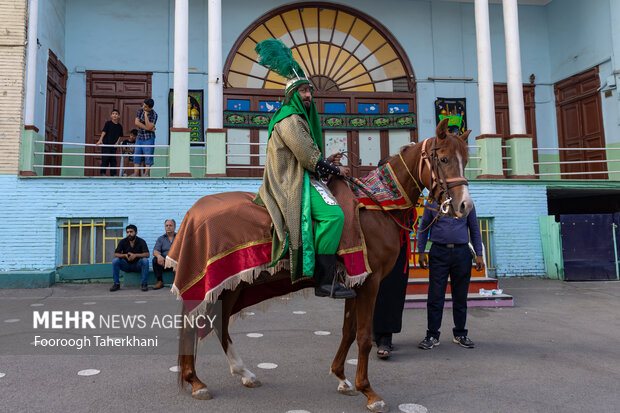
x=307 y=221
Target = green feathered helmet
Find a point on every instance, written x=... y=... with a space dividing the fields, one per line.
x=274 y=55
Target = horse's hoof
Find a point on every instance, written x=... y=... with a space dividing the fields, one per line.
x=347 y=389
x=202 y=394
x=378 y=407
x=251 y=383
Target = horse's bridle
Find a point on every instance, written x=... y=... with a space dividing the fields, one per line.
x=437 y=176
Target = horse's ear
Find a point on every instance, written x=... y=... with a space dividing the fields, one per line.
x=465 y=135
x=442 y=129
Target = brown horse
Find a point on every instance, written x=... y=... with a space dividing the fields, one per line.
x=439 y=165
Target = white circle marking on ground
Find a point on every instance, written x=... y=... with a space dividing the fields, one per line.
x=36 y=305
x=299 y=312
x=140 y=302
x=2 y=375
x=248 y=313
x=254 y=335
x=352 y=362
x=267 y=366
x=89 y=303
x=175 y=369
x=412 y=408
x=12 y=320
x=88 y=372
x=322 y=333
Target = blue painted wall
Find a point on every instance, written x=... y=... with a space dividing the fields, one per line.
x=582 y=36
x=35 y=204
x=437 y=36
x=557 y=40
x=51 y=36
x=516 y=231
x=579 y=36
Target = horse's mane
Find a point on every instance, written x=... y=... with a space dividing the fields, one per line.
x=452 y=142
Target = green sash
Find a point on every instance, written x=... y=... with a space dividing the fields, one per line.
x=303 y=259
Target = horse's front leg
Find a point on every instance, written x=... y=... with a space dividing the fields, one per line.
x=234 y=361
x=349 y=326
x=366 y=296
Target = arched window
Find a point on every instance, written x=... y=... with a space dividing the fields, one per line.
x=364 y=85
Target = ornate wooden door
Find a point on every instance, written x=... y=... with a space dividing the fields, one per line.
x=105 y=91
x=54 y=112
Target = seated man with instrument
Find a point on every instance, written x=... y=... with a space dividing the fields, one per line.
x=307 y=221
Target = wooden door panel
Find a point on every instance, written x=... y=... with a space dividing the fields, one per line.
x=54 y=112
x=105 y=88
x=133 y=88
x=580 y=123
x=590 y=83
x=128 y=109
x=103 y=109
x=590 y=111
x=502 y=122
x=571 y=125
x=502 y=116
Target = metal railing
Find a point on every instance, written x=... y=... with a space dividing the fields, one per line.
x=123 y=156
x=604 y=162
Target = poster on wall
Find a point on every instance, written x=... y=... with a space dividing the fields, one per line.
x=195 y=119
x=454 y=110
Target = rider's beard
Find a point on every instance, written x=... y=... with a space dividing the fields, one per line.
x=131 y=237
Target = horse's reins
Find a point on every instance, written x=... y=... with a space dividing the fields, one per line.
x=437 y=179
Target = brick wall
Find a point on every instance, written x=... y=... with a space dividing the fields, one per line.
x=31 y=206
x=515 y=210
x=12 y=66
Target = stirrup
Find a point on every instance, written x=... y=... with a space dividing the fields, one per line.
x=337 y=291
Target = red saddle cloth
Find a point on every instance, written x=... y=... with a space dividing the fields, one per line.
x=225 y=239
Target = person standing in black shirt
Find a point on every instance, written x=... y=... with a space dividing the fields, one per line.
x=110 y=135
x=131 y=255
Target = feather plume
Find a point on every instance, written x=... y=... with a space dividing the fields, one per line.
x=274 y=55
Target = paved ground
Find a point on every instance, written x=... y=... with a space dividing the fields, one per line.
x=557 y=350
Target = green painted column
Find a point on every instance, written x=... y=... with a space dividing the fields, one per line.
x=27 y=148
x=613 y=167
x=216 y=152
x=179 y=152
x=72 y=160
x=490 y=157
x=521 y=157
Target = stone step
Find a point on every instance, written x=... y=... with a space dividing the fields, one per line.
x=417 y=272
x=473 y=300
x=420 y=285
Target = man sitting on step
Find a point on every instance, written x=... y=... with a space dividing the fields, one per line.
x=131 y=255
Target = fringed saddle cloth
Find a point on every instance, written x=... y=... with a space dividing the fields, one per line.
x=225 y=240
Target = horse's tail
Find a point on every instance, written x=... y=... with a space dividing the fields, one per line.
x=188 y=343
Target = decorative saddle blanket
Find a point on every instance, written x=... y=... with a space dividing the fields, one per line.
x=384 y=187
x=225 y=239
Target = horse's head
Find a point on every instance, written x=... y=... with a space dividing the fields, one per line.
x=442 y=170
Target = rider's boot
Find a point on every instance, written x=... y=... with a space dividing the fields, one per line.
x=324 y=278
